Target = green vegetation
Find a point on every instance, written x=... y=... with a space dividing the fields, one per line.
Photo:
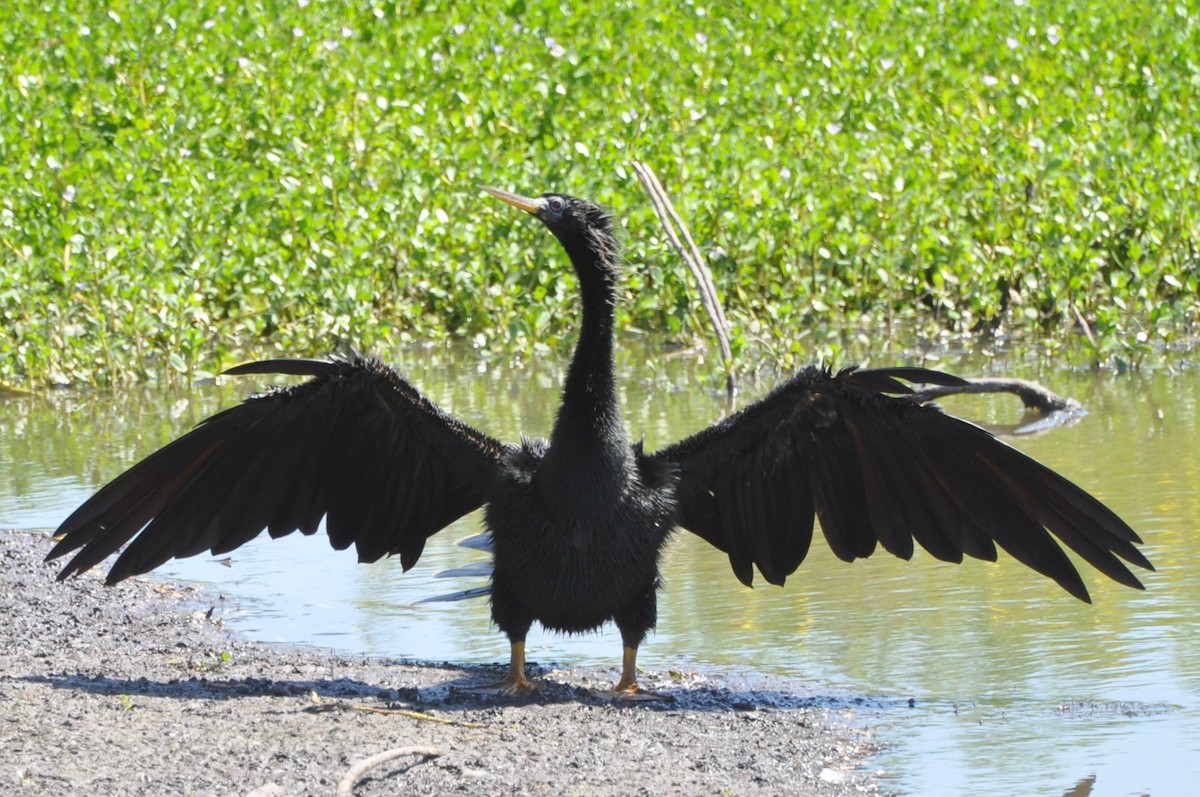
x=185 y=183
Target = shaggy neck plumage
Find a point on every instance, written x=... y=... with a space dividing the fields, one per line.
x=589 y=422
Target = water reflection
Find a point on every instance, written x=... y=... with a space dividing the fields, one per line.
x=1018 y=688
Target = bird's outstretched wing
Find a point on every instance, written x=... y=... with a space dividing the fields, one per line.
x=879 y=468
x=356 y=444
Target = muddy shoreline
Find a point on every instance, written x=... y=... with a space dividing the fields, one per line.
x=139 y=689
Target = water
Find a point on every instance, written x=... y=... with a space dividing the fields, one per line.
x=1016 y=687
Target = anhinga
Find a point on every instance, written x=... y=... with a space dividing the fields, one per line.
x=579 y=522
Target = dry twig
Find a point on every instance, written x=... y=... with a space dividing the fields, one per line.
x=346 y=784
x=416 y=715
x=691 y=255
x=1052 y=410
x=1032 y=395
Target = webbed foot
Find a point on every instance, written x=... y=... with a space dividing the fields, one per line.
x=515 y=684
x=632 y=693
x=627 y=689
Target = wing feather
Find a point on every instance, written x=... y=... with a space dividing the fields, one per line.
x=839 y=491
x=875 y=467
x=355 y=444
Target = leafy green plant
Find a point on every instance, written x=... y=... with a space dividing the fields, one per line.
x=186 y=184
x=213 y=665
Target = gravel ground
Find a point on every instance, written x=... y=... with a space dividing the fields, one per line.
x=137 y=689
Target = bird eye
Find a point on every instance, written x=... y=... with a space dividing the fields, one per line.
x=556 y=206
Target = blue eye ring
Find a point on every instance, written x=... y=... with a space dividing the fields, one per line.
x=556 y=206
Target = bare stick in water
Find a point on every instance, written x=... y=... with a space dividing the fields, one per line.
x=691 y=255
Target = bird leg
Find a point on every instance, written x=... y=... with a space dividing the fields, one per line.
x=513 y=684
x=628 y=682
x=627 y=688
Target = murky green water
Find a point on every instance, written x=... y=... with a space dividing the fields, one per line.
x=1018 y=688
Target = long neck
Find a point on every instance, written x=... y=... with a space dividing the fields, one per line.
x=589 y=421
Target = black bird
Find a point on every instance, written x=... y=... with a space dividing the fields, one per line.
x=579 y=522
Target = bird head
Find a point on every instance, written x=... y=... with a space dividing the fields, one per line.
x=583 y=228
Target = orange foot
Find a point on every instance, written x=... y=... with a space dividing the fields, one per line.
x=632 y=693
x=627 y=689
x=513 y=685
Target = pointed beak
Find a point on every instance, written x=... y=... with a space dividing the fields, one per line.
x=532 y=206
